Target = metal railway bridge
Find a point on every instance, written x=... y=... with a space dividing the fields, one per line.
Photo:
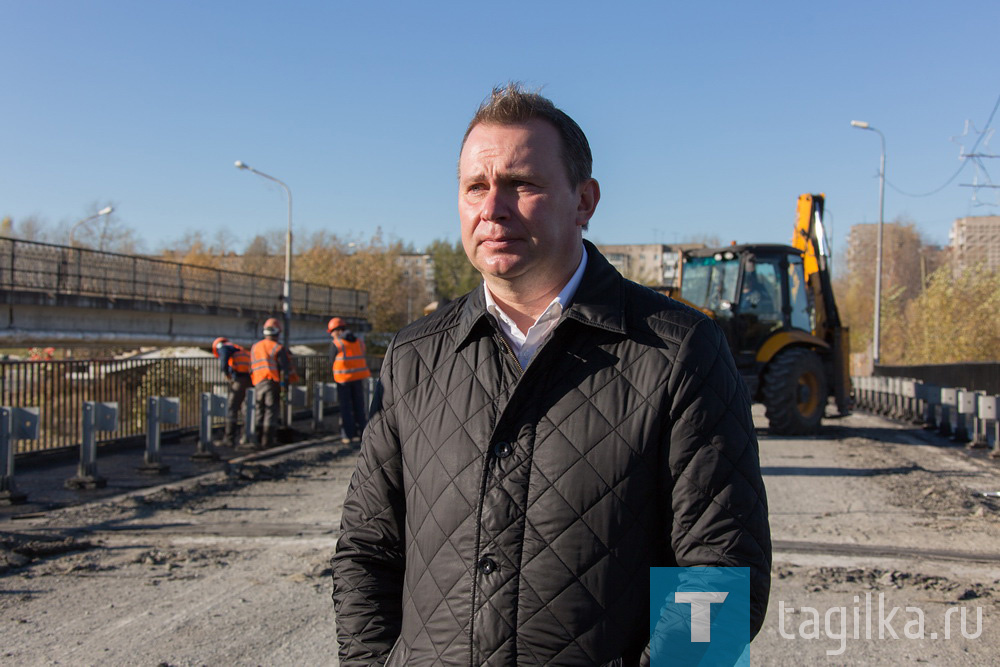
x=59 y=295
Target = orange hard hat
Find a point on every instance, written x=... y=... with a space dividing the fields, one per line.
x=272 y=326
x=215 y=344
x=336 y=323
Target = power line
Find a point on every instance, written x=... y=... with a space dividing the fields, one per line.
x=960 y=168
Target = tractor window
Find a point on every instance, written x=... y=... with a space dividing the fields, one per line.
x=760 y=294
x=709 y=282
x=798 y=295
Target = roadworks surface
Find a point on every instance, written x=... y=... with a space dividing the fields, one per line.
x=232 y=568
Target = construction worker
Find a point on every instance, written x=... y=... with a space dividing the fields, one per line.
x=347 y=354
x=271 y=370
x=235 y=364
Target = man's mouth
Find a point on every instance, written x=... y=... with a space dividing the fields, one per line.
x=501 y=242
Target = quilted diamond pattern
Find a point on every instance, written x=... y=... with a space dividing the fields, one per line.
x=628 y=444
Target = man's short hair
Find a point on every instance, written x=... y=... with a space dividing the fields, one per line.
x=512 y=105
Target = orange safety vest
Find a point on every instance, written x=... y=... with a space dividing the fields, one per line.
x=239 y=361
x=349 y=364
x=264 y=361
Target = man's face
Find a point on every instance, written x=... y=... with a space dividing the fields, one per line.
x=521 y=219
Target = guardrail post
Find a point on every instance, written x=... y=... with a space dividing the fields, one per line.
x=896 y=388
x=96 y=417
x=323 y=393
x=212 y=405
x=15 y=424
x=932 y=400
x=864 y=385
x=965 y=407
x=297 y=397
x=989 y=410
x=978 y=438
x=250 y=428
x=159 y=410
x=881 y=395
x=908 y=391
x=949 y=400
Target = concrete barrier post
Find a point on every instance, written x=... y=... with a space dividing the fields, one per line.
x=15 y=424
x=96 y=417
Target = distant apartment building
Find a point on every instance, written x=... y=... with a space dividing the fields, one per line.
x=653 y=264
x=975 y=240
x=418 y=276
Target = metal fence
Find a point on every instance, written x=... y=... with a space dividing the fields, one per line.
x=28 y=266
x=59 y=388
x=969 y=417
x=977 y=376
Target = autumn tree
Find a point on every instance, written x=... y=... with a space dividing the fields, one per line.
x=102 y=232
x=31 y=228
x=953 y=319
x=902 y=253
x=453 y=274
x=372 y=266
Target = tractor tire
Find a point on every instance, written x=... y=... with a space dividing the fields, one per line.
x=795 y=392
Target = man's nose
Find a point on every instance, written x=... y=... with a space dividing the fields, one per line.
x=496 y=205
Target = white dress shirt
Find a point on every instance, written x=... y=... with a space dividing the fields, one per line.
x=525 y=344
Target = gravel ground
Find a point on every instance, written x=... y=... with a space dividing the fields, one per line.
x=233 y=567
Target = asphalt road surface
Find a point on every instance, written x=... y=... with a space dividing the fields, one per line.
x=232 y=568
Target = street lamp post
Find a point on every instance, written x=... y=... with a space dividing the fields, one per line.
x=107 y=210
x=286 y=300
x=862 y=125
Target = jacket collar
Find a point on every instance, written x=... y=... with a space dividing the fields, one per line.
x=598 y=301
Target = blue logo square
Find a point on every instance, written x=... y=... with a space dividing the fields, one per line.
x=698 y=615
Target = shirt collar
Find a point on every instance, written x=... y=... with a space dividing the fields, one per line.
x=557 y=305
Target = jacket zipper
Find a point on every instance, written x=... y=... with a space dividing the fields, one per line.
x=510 y=351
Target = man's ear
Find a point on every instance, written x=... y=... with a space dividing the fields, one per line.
x=589 y=193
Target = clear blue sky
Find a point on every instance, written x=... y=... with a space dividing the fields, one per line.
x=704 y=118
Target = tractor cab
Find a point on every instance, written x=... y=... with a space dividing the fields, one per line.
x=775 y=304
x=753 y=291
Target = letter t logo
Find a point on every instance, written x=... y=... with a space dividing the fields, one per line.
x=701 y=611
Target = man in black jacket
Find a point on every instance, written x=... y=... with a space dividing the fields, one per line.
x=538 y=444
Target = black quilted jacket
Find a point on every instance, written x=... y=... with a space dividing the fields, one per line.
x=508 y=517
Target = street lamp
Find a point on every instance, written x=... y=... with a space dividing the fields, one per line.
x=286 y=303
x=107 y=210
x=861 y=125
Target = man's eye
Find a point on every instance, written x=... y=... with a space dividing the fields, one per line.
x=476 y=187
